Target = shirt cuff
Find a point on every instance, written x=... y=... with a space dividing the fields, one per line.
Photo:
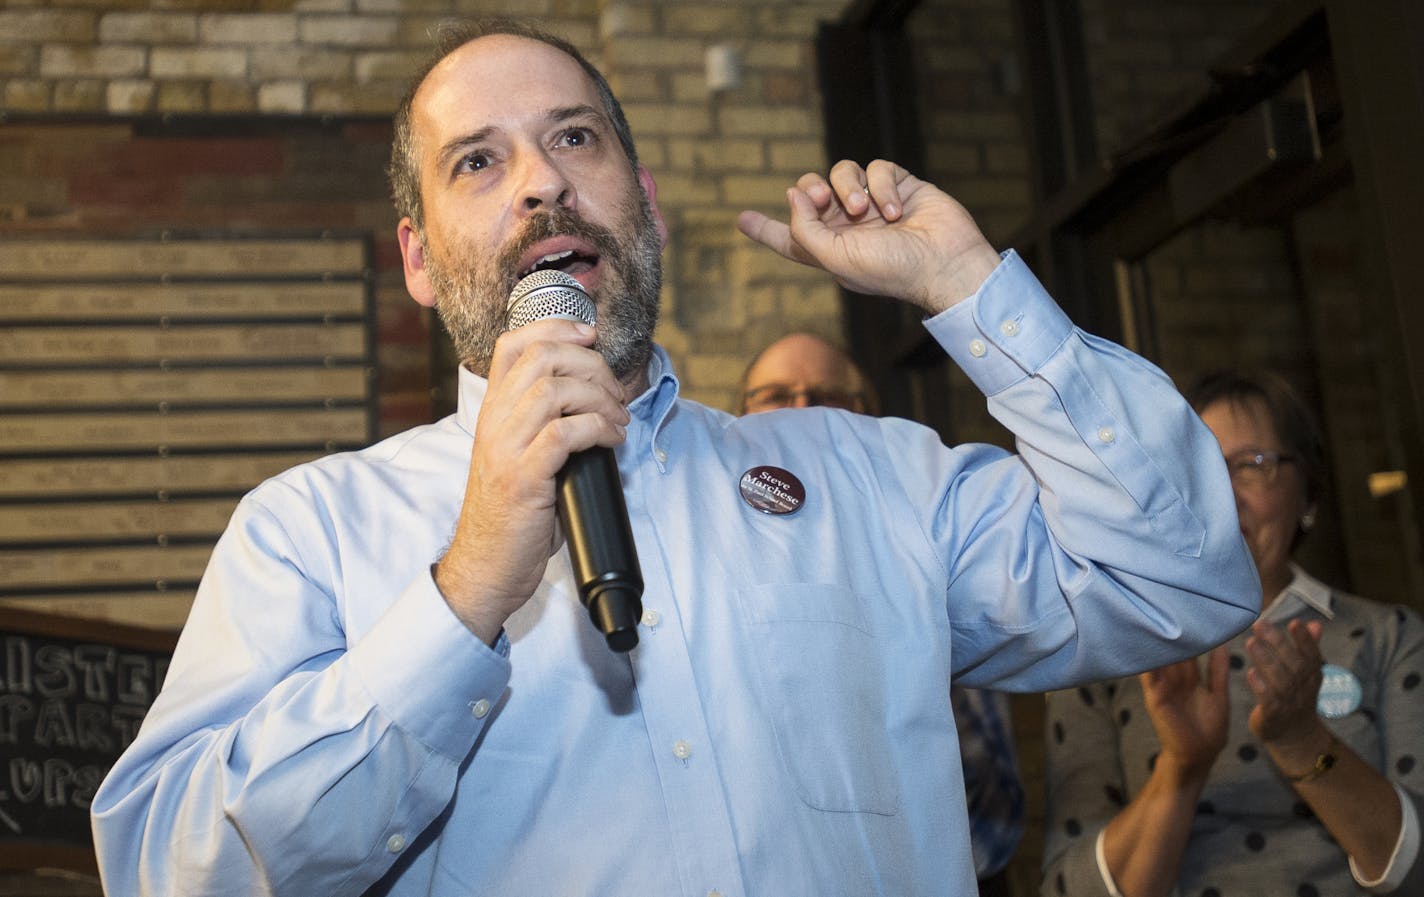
x=1406 y=849
x=1005 y=331
x=1103 y=864
x=429 y=673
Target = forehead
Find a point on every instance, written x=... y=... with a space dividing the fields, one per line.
x=798 y=358
x=499 y=81
x=1241 y=424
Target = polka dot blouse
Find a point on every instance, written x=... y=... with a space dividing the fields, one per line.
x=1252 y=835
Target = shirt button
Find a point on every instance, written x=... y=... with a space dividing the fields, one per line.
x=1106 y=435
x=480 y=708
x=661 y=455
x=651 y=618
x=977 y=348
x=1009 y=328
x=681 y=749
x=396 y=844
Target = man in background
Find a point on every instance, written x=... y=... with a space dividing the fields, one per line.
x=802 y=370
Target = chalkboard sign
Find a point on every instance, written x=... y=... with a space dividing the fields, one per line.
x=72 y=695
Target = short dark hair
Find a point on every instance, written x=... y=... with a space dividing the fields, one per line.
x=404 y=170
x=1291 y=418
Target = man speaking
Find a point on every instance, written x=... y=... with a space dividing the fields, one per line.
x=388 y=684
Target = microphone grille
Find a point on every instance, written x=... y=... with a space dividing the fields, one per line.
x=548 y=294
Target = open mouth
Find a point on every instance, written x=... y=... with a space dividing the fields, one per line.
x=570 y=261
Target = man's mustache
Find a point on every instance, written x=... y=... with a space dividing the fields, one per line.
x=559 y=222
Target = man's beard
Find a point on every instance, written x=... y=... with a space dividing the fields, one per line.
x=471 y=292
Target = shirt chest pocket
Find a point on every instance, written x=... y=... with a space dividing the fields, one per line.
x=823 y=681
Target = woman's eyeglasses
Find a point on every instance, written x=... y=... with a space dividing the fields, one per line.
x=1256 y=467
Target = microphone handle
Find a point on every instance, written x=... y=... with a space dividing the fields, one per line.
x=594 y=516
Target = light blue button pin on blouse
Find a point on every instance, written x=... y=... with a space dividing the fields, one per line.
x=1340 y=692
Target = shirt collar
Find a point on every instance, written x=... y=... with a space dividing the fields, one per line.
x=1304 y=590
x=652 y=407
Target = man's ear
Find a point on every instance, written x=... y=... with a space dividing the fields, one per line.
x=417 y=279
x=650 y=187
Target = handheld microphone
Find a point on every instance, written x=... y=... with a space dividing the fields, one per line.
x=591 y=507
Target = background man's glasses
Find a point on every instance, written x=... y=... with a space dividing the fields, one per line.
x=1256 y=467
x=779 y=395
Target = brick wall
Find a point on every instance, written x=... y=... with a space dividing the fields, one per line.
x=713 y=155
x=124 y=176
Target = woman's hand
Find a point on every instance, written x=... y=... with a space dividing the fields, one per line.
x=1285 y=676
x=1189 y=713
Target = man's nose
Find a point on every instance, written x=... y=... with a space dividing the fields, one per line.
x=542 y=184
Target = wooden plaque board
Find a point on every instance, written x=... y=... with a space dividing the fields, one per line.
x=146 y=385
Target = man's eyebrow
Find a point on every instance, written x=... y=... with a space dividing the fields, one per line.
x=458 y=144
x=454 y=147
x=564 y=113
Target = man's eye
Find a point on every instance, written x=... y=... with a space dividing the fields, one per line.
x=475 y=162
x=576 y=137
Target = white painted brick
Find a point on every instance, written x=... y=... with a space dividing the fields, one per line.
x=346 y=31
x=305 y=63
x=668 y=118
x=148 y=28
x=620 y=19
x=372 y=99
x=425 y=6
x=717 y=154
x=690 y=87
x=18 y=60
x=640 y=85
x=248 y=28
x=67 y=61
x=83 y=95
x=28 y=95
x=657 y=52
x=47 y=25
x=231 y=97
x=717 y=20
x=387 y=66
x=678 y=189
x=798 y=155
x=751 y=190
x=198 y=62
x=282 y=97
x=182 y=96
x=786 y=54
x=130 y=96
x=770 y=121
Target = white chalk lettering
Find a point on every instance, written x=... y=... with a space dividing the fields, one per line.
x=17 y=666
x=96 y=669
x=54 y=671
x=14 y=710
x=53 y=728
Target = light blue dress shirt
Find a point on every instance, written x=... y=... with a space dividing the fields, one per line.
x=329 y=728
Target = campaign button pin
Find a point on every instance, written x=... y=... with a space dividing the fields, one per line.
x=772 y=490
x=1340 y=692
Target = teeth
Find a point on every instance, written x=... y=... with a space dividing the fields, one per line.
x=549 y=259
